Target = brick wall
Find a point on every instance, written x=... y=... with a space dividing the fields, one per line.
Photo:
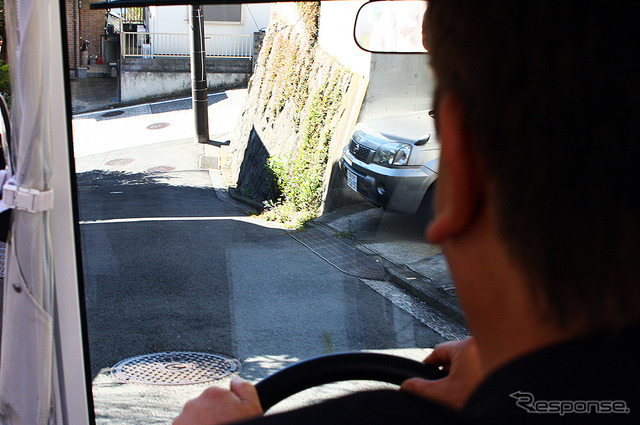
x=69 y=9
x=83 y=24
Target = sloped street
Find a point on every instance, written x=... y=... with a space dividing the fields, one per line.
x=172 y=264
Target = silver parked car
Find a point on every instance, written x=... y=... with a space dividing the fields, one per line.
x=392 y=162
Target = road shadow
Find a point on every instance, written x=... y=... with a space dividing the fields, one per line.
x=253 y=178
x=118 y=194
x=94 y=99
x=153 y=276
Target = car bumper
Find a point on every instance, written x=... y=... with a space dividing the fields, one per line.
x=399 y=189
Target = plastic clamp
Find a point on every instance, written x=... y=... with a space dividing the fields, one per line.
x=22 y=198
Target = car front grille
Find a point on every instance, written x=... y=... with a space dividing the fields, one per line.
x=359 y=151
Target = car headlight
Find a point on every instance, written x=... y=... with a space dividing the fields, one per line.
x=392 y=154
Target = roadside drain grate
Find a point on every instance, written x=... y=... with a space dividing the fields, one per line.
x=112 y=114
x=342 y=256
x=174 y=368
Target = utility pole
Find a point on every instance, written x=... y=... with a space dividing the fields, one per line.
x=198 y=74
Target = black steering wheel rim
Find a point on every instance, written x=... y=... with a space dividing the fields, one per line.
x=340 y=367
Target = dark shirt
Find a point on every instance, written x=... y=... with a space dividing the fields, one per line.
x=590 y=380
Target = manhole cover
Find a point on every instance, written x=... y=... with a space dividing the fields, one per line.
x=174 y=368
x=112 y=114
x=158 y=125
x=160 y=169
x=119 y=161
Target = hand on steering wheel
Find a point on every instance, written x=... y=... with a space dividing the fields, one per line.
x=243 y=401
x=341 y=367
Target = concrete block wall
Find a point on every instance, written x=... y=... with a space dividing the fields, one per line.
x=143 y=79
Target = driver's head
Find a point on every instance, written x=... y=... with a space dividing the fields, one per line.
x=550 y=93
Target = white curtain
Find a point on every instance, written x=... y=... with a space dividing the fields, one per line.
x=27 y=357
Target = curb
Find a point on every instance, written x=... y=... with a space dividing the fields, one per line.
x=420 y=287
x=233 y=194
x=417 y=285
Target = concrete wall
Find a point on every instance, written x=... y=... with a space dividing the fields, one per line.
x=398 y=83
x=336 y=35
x=147 y=78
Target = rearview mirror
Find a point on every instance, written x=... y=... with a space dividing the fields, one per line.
x=390 y=26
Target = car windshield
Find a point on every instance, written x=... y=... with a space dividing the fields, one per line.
x=260 y=207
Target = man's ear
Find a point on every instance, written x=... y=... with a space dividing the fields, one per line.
x=459 y=189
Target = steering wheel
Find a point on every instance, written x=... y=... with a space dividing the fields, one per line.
x=341 y=367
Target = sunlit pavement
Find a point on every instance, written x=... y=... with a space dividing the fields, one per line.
x=96 y=132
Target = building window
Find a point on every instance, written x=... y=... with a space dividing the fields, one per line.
x=231 y=13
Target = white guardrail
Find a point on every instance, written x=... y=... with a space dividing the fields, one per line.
x=155 y=44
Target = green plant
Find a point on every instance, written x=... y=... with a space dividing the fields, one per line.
x=292 y=62
x=300 y=180
x=276 y=169
x=346 y=234
x=305 y=188
x=5 y=84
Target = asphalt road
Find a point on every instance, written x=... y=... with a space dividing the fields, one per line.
x=170 y=265
x=174 y=268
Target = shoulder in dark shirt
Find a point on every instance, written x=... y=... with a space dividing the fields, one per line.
x=589 y=380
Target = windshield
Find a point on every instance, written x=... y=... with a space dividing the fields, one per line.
x=272 y=240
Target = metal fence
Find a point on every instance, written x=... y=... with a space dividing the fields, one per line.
x=155 y=44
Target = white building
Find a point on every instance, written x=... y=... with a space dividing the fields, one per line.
x=228 y=30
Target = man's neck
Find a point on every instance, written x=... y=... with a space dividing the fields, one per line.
x=501 y=311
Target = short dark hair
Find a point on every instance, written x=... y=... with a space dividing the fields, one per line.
x=551 y=95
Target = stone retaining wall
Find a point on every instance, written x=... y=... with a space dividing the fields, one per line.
x=290 y=72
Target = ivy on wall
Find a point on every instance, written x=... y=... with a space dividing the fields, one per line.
x=299 y=93
x=290 y=59
x=299 y=180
